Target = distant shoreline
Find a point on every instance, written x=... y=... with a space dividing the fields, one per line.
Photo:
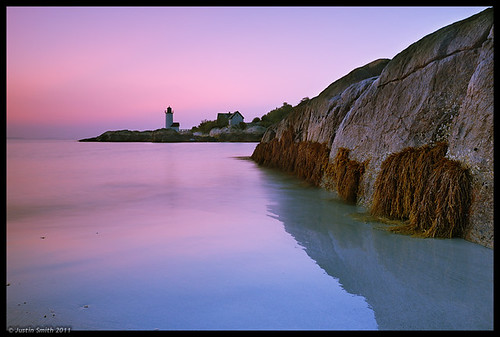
x=173 y=136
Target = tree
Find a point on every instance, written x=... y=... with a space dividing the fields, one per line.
x=276 y=115
x=205 y=126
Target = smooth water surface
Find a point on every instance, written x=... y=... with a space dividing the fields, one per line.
x=190 y=236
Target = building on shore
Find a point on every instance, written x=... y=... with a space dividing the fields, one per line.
x=169 y=120
x=228 y=118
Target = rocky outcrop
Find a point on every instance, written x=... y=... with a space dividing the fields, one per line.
x=439 y=89
x=250 y=134
x=318 y=119
x=158 y=136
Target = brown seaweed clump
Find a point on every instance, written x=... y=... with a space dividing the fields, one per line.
x=311 y=160
x=428 y=192
x=346 y=174
x=306 y=160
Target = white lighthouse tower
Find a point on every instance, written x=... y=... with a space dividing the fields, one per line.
x=169 y=120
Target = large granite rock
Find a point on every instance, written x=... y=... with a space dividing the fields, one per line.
x=438 y=89
x=318 y=119
x=471 y=141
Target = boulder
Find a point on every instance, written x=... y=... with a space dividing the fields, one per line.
x=439 y=89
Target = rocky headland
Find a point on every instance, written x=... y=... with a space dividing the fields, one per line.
x=227 y=134
x=411 y=138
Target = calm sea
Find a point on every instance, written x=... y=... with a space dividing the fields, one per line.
x=192 y=236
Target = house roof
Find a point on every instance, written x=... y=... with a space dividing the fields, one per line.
x=234 y=114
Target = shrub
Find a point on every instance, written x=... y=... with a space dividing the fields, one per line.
x=205 y=126
x=276 y=115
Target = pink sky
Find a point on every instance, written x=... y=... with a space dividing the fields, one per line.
x=75 y=72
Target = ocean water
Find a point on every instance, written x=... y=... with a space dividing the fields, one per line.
x=144 y=236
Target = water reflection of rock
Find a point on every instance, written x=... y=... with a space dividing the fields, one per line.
x=409 y=283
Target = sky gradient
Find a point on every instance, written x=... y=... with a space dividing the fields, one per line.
x=76 y=72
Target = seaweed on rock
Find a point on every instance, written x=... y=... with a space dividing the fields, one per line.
x=346 y=174
x=428 y=192
x=304 y=159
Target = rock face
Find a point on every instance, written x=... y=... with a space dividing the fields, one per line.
x=438 y=89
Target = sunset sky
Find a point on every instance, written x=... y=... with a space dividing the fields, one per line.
x=76 y=72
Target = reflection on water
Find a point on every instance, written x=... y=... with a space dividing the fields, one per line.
x=187 y=236
x=410 y=283
x=157 y=236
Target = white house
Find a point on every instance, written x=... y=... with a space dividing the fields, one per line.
x=235 y=118
x=169 y=120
